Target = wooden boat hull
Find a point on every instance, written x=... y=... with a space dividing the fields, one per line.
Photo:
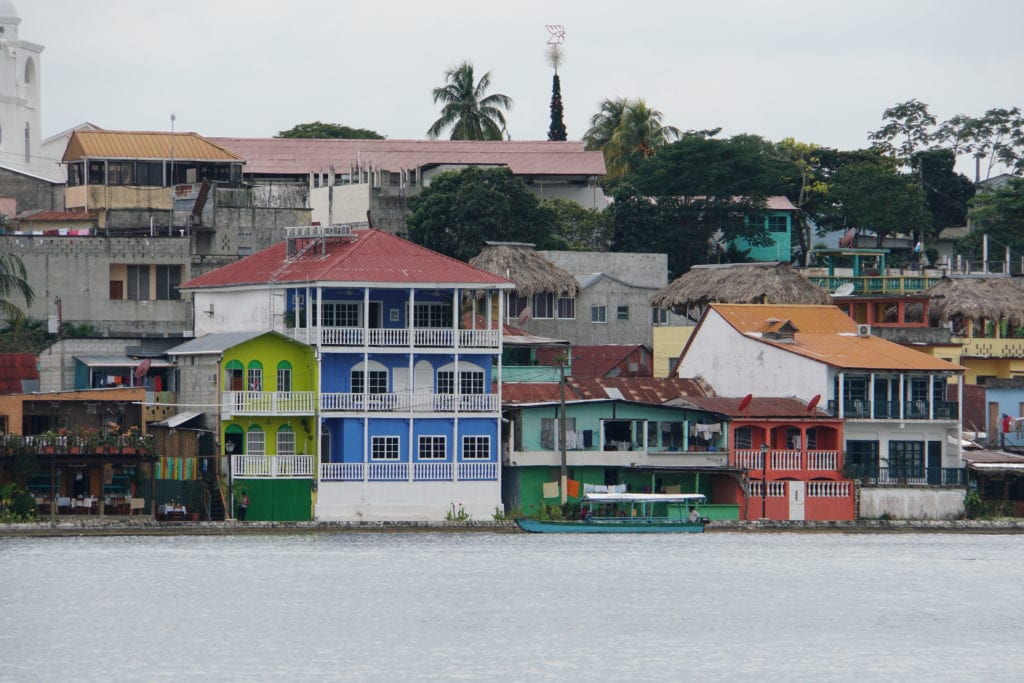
x=628 y=526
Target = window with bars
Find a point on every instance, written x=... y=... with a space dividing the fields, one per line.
x=255 y=442
x=384 y=447
x=285 y=441
x=431 y=448
x=476 y=447
x=254 y=377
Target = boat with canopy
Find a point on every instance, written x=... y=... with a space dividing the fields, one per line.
x=628 y=513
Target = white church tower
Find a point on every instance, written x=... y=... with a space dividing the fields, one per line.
x=20 y=97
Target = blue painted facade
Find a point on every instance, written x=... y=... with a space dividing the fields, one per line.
x=779 y=225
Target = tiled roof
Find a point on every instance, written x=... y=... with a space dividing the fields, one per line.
x=828 y=335
x=117 y=144
x=15 y=370
x=300 y=156
x=372 y=257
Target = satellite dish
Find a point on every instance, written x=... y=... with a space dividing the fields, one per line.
x=812 y=404
x=143 y=368
x=845 y=289
x=746 y=401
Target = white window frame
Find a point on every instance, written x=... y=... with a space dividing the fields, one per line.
x=284 y=379
x=427 y=446
x=471 y=447
x=351 y=311
x=255 y=442
x=254 y=379
x=286 y=441
x=599 y=315
x=544 y=306
x=385 y=448
x=569 y=305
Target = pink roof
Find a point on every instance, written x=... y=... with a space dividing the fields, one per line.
x=372 y=257
x=300 y=156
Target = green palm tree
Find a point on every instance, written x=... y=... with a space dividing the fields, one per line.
x=13 y=281
x=471 y=113
x=627 y=131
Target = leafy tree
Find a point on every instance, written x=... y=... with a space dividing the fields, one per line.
x=627 y=132
x=946 y=191
x=999 y=214
x=461 y=210
x=810 y=186
x=998 y=138
x=581 y=229
x=13 y=281
x=321 y=130
x=556 y=131
x=907 y=130
x=872 y=195
x=467 y=109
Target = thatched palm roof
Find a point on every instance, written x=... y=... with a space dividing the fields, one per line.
x=991 y=298
x=738 y=283
x=532 y=272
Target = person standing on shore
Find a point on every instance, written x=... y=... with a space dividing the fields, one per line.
x=243 y=507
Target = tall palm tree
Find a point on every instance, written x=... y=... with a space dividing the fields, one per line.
x=13 y=280
x=472 y=114
x=627 y=131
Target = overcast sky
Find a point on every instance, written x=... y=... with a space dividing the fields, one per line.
x=820 y=71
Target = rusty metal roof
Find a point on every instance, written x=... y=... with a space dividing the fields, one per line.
x=116 y=144
x=758 y=407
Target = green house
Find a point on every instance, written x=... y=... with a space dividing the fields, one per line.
x=614 y=442
x=777 y=219
x=268 y=425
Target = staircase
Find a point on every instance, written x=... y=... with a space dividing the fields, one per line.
x=216 y=501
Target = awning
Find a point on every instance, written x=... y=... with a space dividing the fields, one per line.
x=179 y=419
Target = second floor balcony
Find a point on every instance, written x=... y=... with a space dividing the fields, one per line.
x=268 y=403
x=399 y=337
x=862 y=409
x=786 y=461
x=405 y=402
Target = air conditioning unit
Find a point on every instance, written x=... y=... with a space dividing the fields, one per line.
x=863 y=330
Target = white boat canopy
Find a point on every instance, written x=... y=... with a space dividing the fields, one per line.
x=643 y=498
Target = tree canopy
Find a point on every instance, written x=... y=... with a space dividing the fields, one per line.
x=1000 y=215
x=321 y=130
x=13 y=282
x=461 y=210
x=467 y=109
x=581 y=229
x=627 y=132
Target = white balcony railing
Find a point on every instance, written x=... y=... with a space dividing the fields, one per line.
x=776 y=489
x=748 y=459
x=418 y=403
x=439 y=337
x=399 y=471
x=785 y=460
x=479 y=339
x=430 y=337
x=268 y=403
x=822 y=460
x=341 y=336
x=272 y=466
x=389 y=337
x=828 y=489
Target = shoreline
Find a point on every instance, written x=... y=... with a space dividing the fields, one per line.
x=151 y=527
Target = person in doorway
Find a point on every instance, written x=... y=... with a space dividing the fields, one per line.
x=243 y=507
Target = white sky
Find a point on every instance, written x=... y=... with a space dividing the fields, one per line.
x=821 y=71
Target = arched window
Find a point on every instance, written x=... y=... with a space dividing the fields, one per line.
x=255 y=441
x=371 y=377
x=471 y=379
x=234 y=375
x=30 y=72
x=286 y=440
x=284 y=376
x=234 y=435
x=254 y=378
x=28 y=146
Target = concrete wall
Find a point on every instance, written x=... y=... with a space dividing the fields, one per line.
x=350 y=203
x=378 y=501
x=911 y=503
x=31 y=192
x=668 y=344
x=883 y=431
x=78 y=270
x=238 y=311
x=60 y=354
x=198 y=387
x=638 y=269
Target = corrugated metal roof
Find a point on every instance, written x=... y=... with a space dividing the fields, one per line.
x=120 y=362
x=180 y=418
x=759 y=407
x=54 y=216
x=302 y=156
x=213 y=343
x=372 y=257
x=652 y=390
x=115 y=144
x=828 y=335
x=18 y=372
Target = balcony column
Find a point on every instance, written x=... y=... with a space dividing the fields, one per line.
x=931 y=397
x=871 y=395
x=411 y=384
x=456 y=385
x=902 y=395
x=839 y=399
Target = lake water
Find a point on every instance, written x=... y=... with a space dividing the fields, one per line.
x=510 y=607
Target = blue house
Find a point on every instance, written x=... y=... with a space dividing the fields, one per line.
x=408 y=343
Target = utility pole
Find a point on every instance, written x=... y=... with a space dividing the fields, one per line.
x=564 y=482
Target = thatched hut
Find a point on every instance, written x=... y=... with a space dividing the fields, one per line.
x=971 y=301
x=737 y=283
x=532 y=272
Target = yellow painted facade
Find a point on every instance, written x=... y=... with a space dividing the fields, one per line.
x=668 y=344
x=999 y=358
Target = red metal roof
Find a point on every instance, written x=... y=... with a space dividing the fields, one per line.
x=652 y=390
x=759 y=407
x=15 y=368
x=372 y=257
x=597 y=360
x=301 y=156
